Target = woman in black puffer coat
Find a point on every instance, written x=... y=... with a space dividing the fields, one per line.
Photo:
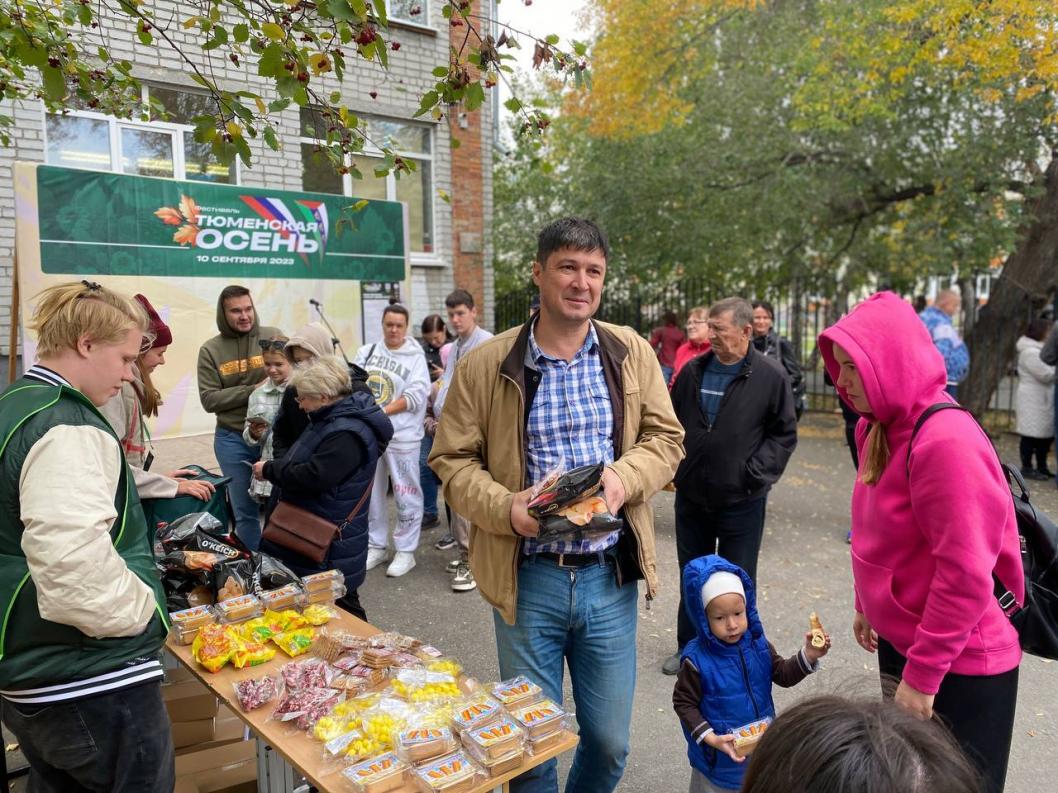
x=329 y=469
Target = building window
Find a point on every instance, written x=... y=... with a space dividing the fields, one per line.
x=414 y=11
x=410 y=141
x=85 y=139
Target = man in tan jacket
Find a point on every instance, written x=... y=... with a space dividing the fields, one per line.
x=563 y=389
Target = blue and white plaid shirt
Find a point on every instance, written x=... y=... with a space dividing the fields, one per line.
x=570 y=423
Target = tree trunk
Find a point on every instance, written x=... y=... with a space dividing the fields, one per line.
x=1019 y=293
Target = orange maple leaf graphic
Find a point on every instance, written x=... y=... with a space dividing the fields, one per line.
x=188 y=208
x=185 y=235
x=169 y=216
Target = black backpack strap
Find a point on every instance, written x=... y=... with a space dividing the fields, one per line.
x=1007 y=601
x=922 y=420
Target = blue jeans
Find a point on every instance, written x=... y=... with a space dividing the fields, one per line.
x=119 y=741
x=583 y=617
x=233 y=454
x=666 y=372
x=427 y=478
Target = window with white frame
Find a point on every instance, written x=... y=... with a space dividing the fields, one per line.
x=82 y=138
x=411 y=141
x=414 y=11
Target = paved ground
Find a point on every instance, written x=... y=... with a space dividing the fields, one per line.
x=804 y=567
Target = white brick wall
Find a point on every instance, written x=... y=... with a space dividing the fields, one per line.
x=398 y=97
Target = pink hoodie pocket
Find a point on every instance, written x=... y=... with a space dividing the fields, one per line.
x=891 y=620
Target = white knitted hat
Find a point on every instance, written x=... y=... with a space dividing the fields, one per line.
x=722 y=583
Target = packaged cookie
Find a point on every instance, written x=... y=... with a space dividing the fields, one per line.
x=539 y=718
x=748 y=736
x=287 y=597
x=453 y=773
x=239 y=609
x=417 y=744
x=474 y=712
x=495 y=740
x=186 y=623
x=546 y=742
x=377 y=657
x=378 y=774
x=516 y=692
x=318 y=582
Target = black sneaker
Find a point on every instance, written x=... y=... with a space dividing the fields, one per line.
x=1032 y=473
x=446 y=542
x=430 y=522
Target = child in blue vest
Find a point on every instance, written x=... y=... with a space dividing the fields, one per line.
x=727 y=671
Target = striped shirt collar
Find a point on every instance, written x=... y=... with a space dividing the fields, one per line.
x=590 y=346
x=46 y=375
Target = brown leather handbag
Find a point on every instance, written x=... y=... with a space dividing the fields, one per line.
x=305 y=533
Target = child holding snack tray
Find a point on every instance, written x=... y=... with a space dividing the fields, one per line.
x=723 y=689
x=263 y=406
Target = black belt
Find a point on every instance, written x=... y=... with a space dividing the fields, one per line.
x=568 y=560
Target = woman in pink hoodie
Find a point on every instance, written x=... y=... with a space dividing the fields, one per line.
x=924 y=546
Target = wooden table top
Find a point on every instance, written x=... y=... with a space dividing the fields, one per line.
x=299 y=749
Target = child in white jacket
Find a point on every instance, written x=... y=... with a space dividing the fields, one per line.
x=263 y=406
x=400 y=380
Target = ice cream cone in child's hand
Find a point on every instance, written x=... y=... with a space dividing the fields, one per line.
x=817 y=640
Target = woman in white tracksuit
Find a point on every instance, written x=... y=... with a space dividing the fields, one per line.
x=400 y=380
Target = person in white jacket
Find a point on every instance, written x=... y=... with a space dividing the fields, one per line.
x=1034 y=402
x=399 y=378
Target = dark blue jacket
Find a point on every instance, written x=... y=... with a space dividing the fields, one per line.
x=735 y=678
x=368 y=432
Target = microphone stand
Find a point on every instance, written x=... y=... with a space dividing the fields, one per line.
x=334 y=336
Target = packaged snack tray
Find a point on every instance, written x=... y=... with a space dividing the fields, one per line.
x=492 y=741
x=287 y=597
x=539 y=718
x=326 y=595
x=318 y=582
x=545 y=742
x=516 y=692
x=378 y=774
x=502 y=764
x=452 y=773
x=475 y=711
x=186 y=623
x=748 y=735
x=417 y=744
x=239 y=609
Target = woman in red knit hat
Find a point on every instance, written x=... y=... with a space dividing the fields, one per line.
x=128 y=411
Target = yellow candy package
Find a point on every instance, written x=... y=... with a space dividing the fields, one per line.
x=259 y=629
x=213 y=647
x=250 y=653
x=289 y=620
x=319 y=614
x=295 y=642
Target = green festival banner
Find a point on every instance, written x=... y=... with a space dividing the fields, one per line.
x=113 y=224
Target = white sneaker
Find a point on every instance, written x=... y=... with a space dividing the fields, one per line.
x=463 y=580
x=403 y=561
x=375 y=557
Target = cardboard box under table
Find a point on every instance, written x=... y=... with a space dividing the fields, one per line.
x=285 y=758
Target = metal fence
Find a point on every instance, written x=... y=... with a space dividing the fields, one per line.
x=800 y=318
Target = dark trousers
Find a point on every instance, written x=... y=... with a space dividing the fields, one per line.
x=733 y=532
x=1038 y=447
x=978 y=709
x=351 y=603
x=120 y=741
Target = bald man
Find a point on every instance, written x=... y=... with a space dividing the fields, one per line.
x=947 y=340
